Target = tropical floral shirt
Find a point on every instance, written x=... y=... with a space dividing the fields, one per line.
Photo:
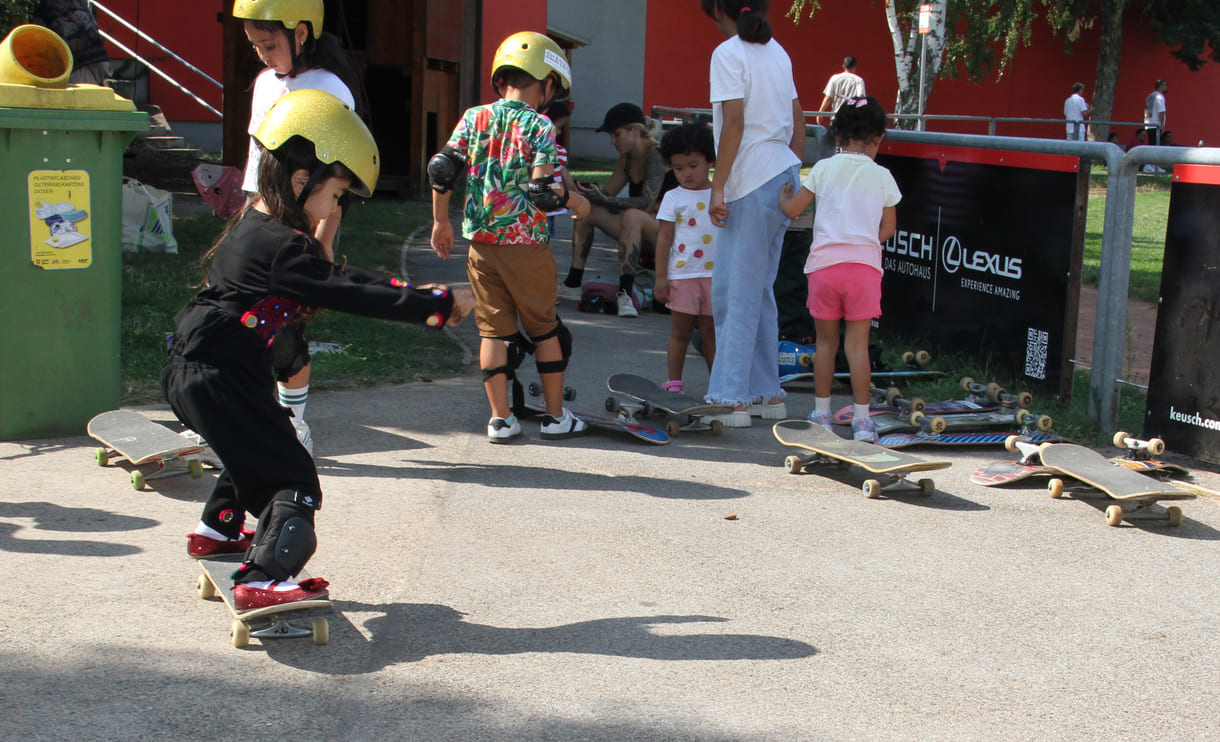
x=505 y=141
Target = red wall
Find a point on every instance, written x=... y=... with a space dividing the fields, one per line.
x=681 y=40
x=194 y=34
x=501 y=20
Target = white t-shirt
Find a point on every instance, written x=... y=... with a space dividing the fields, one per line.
x=1073 y=110
x=852 y=191
x=268 y=88
x=1154 y=106
x=842 y=86
x=760 y=75
x=694 y=249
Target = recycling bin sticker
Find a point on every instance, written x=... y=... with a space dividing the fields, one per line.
x=59 y=219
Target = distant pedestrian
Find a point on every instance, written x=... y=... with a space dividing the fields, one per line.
x=1154 y=112
x=840 y=87
x=1075 y=109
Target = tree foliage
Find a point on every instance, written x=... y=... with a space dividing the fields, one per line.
x=13 y=13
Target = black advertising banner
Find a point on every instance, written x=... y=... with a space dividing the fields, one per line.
x=1184 y=383
x=982 y=259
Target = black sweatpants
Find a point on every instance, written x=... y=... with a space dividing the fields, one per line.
x=234 y=408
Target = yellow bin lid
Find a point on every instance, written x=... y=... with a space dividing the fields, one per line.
x=34 y=67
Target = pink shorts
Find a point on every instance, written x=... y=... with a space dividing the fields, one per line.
x=850 y=291
x=691 y=295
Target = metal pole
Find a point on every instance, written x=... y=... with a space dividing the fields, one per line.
x=923 y=60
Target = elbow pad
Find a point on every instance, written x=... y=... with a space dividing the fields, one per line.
x=445 y=167
x=546 y=193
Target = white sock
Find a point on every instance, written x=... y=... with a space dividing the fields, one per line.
x=860 y=411
x=203 y=529
x=293 y=399
x=822 y=404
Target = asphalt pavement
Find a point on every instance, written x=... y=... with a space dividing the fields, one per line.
x=596 y=589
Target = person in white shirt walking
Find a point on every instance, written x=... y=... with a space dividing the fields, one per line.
x=1075 y=109
x=839 y=88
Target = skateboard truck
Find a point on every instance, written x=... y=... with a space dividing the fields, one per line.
x=1136 y=448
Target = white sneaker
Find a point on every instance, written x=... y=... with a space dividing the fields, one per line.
x=303 y=434
x=502 y=430
x=568 y=426
x=564 y=291
x=626 y=307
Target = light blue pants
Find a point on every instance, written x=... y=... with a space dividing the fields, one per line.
x=746 y=369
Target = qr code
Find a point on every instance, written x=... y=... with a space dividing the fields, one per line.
x=1036 y=342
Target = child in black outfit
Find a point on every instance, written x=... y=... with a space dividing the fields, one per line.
x=265 y=271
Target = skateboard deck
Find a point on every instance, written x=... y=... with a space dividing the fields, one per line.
x=983 y=398
x=636 y=430
x=826 y=447
x=998 y=473
x=984 y=438
x=927 y=424
x=140 y=441
x=1132 y=492
x=650 y=398
x=796 y=364
x=261 y=623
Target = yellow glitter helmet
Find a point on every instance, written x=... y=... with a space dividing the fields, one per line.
x=534 y=54
x=337 y=134
x=288 y=12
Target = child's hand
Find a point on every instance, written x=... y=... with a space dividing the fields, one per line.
x=719 y=210
x=442 y=238
x=463 y=304
x=660 y=290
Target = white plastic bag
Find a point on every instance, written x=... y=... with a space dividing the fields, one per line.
x=148 y=224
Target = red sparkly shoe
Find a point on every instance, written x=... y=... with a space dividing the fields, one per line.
x=247 y=598
x=200 y=546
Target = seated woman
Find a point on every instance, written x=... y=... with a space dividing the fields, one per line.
x=630 y=219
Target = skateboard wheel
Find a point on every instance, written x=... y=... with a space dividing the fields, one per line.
x=923 y=357
x=612 y=405
x=717 y=427
x=1055 y=488
x=240 y=634
x=966 y=383
x=915 y=417
x=569 y=394
x=927 y=487
x=908 y=358
x=1044 y=423
x=938 y=425
x=1175 y=515
x=100 y=455
x=1010 y=443
x=994 y=391
x=205 y=588
x=1156 y=446
x=1021 y=415
x=673 y=428
x=1114 y=515
x=805 y=360
x=892 y=394
x=872 y=488
x=1025 y=399
x=319 y=631
x=195 y=467
x=1120 y=439
x=918 y=404
x=138 y=480
x=792 y=465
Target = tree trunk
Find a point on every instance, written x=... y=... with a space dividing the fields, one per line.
x=1107 y=66
x=908 y=61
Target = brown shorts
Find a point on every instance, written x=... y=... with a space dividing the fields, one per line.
x=514 y=287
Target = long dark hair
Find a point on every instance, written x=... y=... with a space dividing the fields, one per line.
x=750 y=15
x=323 y=53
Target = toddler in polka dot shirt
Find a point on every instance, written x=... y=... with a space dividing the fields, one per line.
x=686 y=246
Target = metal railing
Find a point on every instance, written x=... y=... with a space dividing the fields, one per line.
x=152 y=67
x=1110 y=331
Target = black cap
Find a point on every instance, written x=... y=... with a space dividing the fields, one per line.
x=622 y=115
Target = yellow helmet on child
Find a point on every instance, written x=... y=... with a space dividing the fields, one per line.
x=536 y=55
x=288 y=12
x=337 y=134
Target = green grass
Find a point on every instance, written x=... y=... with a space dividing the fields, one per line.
x=1147 y=237
x=377 y=352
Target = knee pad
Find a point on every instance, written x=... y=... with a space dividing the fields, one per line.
x=565 y=349
x=518 y=348
x=289 y=352
x=490 y=373
x=285 y=539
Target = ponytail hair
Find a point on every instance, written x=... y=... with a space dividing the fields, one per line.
x=750 y=16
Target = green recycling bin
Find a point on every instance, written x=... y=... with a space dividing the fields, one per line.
x=61 y=244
